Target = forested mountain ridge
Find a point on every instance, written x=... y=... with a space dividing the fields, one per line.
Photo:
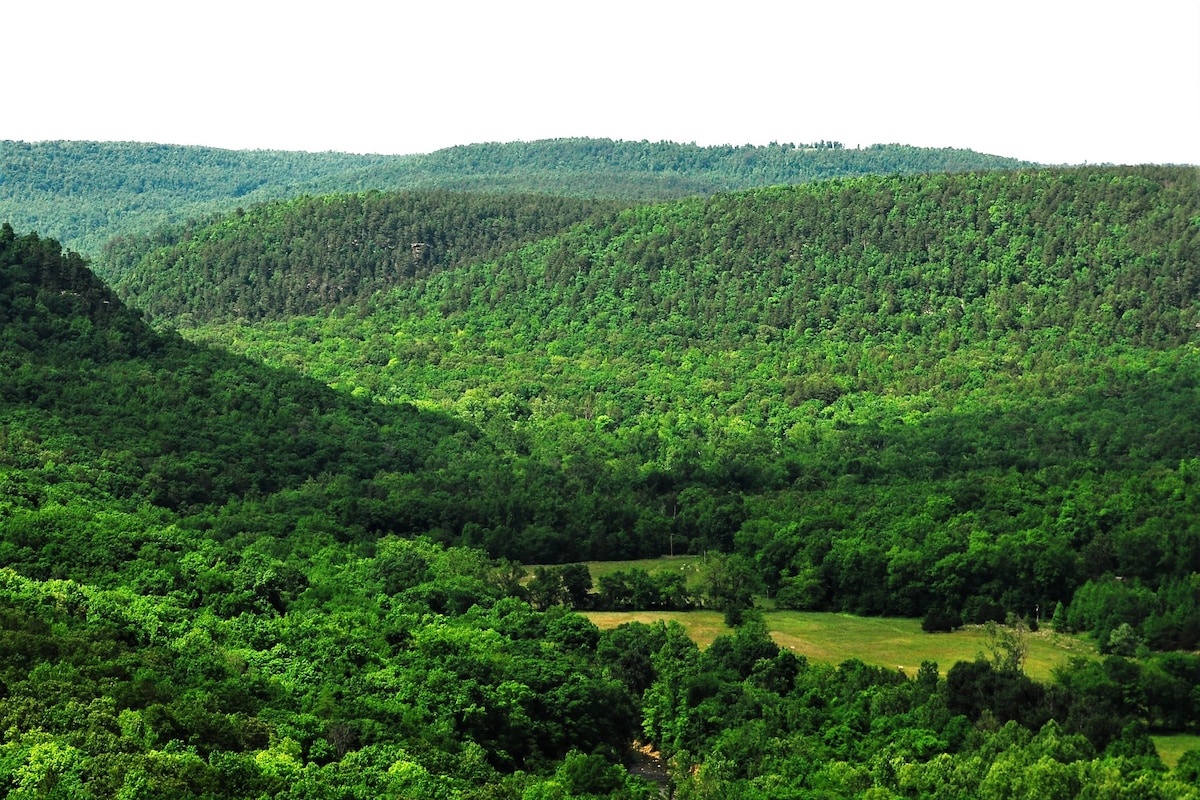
x=967 y=392
x=657 y=170
x=301 y=256
x=84 y=193
x=898 y=253
x=1006 y=252
x=196 y=601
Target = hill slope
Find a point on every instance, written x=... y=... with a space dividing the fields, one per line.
x=190 y=549
x=97 y=404
x=301 y=256
x=103 y=414
x=178 y=625
x=889 y=394
x=83 y=193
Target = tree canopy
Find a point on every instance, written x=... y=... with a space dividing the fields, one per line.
x=84 y=193
x=283 y=556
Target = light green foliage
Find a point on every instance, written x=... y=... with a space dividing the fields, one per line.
x=1007 y=644
x=1123 y=641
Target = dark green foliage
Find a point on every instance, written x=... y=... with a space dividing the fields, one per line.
x=306 y=255
x=590 y=775
x=200 y=598
x=940 y=621
x=1188 y=768
x=99 y=408
x=1166 y=618
x=953 y=259
x=628 y=652
x=973 y=688
x=93 y=397
x=637 y=589
x=730 y=585
x=742 y=652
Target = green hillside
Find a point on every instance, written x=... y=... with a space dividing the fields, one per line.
x=191 y=550
x=654 y=170
x=84 y=193
x=98 y=406
x=195 y=601
x=891 y=395
x=296 y=257
x=224 y=579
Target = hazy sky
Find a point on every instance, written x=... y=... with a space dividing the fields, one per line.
x=1050 y=81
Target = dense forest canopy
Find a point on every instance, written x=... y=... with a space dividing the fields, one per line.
x=658 y=170
x=965 y=397
x=892 y=395
x=301 y=256
x=83 y=193
x=159 y=420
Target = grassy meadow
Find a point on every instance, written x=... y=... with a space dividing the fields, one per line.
x=1170 y=748
x=889 y=642
x=900 y=643
x=833 y=638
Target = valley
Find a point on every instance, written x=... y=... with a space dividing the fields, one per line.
x=362 y=485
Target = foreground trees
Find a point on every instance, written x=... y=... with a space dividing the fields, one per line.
x=358 y=690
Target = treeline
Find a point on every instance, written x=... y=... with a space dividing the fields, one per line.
x=966 y=394
x=660 y=170
x=310 y=254
x=84 y=193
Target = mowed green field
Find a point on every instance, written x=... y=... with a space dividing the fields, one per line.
x=1170 y=748
x=888 y=642
x=834 y=638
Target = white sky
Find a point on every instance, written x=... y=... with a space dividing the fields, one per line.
x=1056 y=81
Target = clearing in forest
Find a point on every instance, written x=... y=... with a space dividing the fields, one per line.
x=883 y=641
